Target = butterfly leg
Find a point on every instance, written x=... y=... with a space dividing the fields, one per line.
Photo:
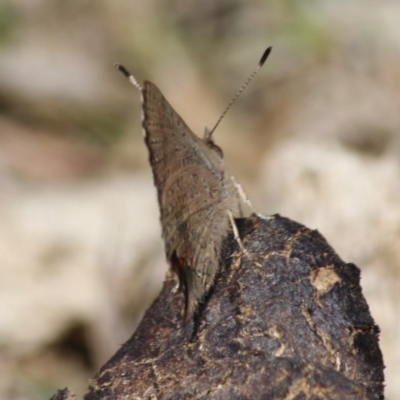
x=236 y=234
x=239 y=241
x=245 y=198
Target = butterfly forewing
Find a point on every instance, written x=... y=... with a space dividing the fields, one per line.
x=194 y=195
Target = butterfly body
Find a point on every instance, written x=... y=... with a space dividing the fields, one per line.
x=195 y=194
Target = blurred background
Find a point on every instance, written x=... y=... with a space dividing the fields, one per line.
x=315 y=137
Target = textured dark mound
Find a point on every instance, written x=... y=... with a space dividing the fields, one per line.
x=288 y=322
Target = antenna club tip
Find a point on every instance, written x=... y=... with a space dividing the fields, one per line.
x=122 y=69
x=265 y=56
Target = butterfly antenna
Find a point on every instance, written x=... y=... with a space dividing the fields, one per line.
x=236 y=96
x=131 y=78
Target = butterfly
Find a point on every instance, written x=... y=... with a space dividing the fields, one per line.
x=197 y=197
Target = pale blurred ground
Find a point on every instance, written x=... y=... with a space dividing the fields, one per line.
x=315 y=137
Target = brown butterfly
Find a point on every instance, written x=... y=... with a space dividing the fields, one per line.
x=196 y=195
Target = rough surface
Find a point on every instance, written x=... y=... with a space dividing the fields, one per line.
x=288 y=323
x=63 y=394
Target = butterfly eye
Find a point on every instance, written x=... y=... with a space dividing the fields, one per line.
x=214 y=147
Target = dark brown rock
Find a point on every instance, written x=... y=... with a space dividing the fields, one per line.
x=288 y=323
x=63 y=394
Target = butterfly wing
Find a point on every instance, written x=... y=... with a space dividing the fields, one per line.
x=193 y=194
